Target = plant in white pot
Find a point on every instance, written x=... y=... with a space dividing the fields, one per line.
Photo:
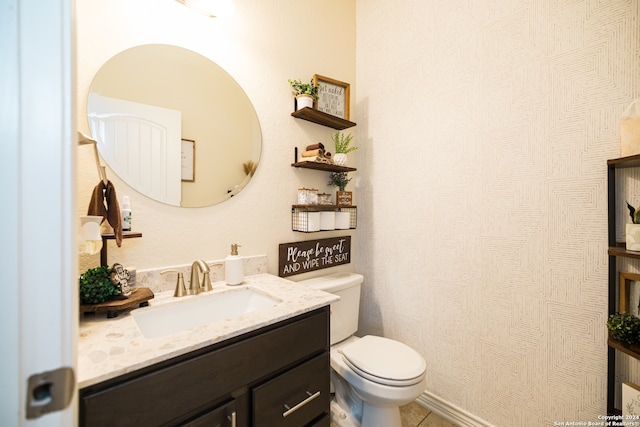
x=633 y=229
x=305 y=93
x=341 y=143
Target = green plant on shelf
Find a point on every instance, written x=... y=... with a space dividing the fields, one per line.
x=339 y=179
x=634 y=214
x=624 y=327
x=341 y=142
x=300 y=88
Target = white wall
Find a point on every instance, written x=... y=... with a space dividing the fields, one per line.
x=261 y=46
x=485 y=129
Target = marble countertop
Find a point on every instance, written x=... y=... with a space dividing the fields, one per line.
x=112 y=347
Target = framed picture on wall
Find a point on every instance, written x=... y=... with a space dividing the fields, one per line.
x=630 y=399
x=188 y=158
x=333 y=96
x=629 y=299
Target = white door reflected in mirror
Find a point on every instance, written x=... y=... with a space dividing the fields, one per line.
x=214 y=114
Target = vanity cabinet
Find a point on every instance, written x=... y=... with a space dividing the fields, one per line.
x=275 y=376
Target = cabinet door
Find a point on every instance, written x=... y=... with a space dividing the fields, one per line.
x=222 y=416
x=295 y=398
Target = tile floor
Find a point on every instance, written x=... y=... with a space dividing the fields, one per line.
x=414 y=415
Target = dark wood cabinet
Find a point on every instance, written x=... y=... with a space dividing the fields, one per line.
x=245 y=380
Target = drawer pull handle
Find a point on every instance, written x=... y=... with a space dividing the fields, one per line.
x=290 y=411
x=232 y=418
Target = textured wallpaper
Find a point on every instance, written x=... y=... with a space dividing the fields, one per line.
x=484 y=129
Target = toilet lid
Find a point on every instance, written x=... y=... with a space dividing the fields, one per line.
x=384 y=361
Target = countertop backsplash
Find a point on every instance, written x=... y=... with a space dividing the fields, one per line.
x=152 y=279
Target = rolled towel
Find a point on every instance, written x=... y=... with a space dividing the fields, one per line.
x=316 y=159
x=315 y=146
x=313 y=153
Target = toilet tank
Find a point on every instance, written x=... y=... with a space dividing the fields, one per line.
x=344 y=313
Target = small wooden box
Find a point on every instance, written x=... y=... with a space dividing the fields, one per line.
x=344 y=198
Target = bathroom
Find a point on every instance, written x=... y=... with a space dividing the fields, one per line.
x=506 y=130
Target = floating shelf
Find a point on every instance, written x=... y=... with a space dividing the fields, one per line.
x=321 y=118
x=621 y=251
x=110 y=236
x=322 y=167
x=632 y=350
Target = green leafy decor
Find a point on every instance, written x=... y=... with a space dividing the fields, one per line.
x=300 y=88
x=341 y=142
x=96 y=286
x=339 y=179
x=624 y=327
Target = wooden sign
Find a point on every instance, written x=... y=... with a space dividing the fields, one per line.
x=333 y=96
x=310 y=255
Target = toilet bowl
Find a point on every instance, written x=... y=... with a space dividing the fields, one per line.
x=372 y=376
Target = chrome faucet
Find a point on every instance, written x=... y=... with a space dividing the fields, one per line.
x=196 y=286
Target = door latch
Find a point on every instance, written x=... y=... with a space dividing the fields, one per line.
x=50 y=391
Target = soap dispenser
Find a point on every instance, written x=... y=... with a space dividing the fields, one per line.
x=126 y=214
x=233 y=271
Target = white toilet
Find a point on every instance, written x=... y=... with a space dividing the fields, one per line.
x=371 y=376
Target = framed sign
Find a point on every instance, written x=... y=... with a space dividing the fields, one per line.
x=629 y=296
x=333 y=96
x=310 y=255
x=188 y=157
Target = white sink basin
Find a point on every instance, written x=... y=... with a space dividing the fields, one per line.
x=182 y=315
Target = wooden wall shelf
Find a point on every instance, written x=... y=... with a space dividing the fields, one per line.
x=321 y=118
x=110 y=236
x=322 y=167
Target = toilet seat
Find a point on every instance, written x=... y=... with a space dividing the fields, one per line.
x=384 y=361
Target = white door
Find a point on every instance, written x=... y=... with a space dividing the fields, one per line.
x=38 y=319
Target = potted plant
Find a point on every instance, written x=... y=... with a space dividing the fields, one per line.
x=624 y=327
x=340 y=180
x=633 y=230
x=96 y=286
x=305 y=93
x=342 y=148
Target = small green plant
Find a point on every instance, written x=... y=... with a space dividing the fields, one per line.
x=96 y=286
x=300 y=88
x=624 y=327
x=634 y=213
x=341 y=142
x=339 y=179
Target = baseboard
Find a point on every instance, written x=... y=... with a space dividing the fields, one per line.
x=450 y=412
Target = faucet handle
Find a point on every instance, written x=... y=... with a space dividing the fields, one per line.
x=206 y=282
x=180 y=289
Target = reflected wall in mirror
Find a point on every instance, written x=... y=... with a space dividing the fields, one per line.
x=145 y=100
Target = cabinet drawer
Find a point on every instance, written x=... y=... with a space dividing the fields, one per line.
x=295 y=398
x=222 y=416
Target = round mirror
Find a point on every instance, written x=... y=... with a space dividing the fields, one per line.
x=174 y=125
